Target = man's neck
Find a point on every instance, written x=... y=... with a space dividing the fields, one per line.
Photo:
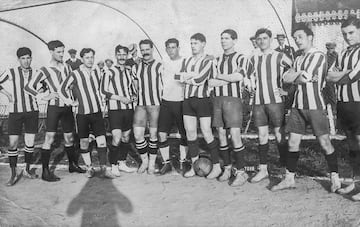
x=121 y=66
x=198 y=55
x=57 y=64
x=149 y=60
x=229 y=51
x=266 y=51
x=87 y=69
x=175 y=58
x=307 y=49
x=25 y=69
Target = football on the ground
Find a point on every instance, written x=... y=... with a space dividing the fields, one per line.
x=203 y=166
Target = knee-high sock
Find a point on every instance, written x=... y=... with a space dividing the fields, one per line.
x=214 y=151
x=45 y=158
x=193 y=148
x=13 y=156
x=102 y=155
x=239 y=157
x=113 y=154
x=85 y=154
x=332 y=162
x=142 y=147
x=70 y=151
x=291 y=162
x=183 y=148
x=124 y=150
x=263 y=152
x=283 y=150
x=153 y=146
x=225 y=154
x=164 y=150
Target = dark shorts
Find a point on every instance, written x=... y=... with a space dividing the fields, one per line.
x=197 y=107
x=93 y=122
x=56 y=114
x=269 y=114
x=143 y=114
x=348 y=117
x=298 y=120
x=30 y=121
x=170 y=113
x=121 y=119
x=227 y=112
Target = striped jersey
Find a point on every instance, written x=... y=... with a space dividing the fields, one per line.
x=150 y=85
x=204 y=69
x=313 y=66
x=229 y=64
x=18 y=78
x=350 y=60
x=53 y=77
x=118 y=82
x=267 y=70
x=85 y=89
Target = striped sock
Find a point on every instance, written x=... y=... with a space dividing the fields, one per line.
x=153 y=146
x=13 y=155
x=29 y=154
x=142 y=147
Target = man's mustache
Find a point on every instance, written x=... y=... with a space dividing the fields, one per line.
x=146 y=55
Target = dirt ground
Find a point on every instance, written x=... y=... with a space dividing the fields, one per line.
x=171 y=200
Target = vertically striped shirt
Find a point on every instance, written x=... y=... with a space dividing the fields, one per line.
x=118 y=82
x=149 y=76
x=313 y=67
x=52 y=77
x=204 y=69
x=350 y=60
x=268 y=70
x=18 y=78
x=85 y=88
x=229 y=64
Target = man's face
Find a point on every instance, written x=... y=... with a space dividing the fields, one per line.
x=227 y=42
x=72 y=55
x=88 y=59
x=281 y=41
x=263 y=41
x=146 y=51
x=351 y=34
x=101 y=65
x=330 y=50
x=172 y=50
x=302 y=40
x=25 y=61
x=108 y=63
x=197 y=46
x=121 y=57
x=58 y=54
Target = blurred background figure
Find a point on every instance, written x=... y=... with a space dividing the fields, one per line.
x=331 y=54
x=73 y=61
x=133 y=57
x=109 y=63
x=288 y=50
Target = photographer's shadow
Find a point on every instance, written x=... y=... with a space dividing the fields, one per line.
x=99 y=201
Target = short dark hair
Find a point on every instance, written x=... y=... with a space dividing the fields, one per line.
x=52 y=45
x=146 y=41
x=85 y=51
x=263 y=31
x=172 y=40
x=231 y=32
x=304 y=28
x=198 y=36
x=119 y=47
x=351 y=20
x=22 y=51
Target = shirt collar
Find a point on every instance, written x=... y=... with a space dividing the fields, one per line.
x=349 y=48
x=148 y=63
x=83 y=68
x=263 y=54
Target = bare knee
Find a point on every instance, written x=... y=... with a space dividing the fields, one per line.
x=162 y=136
x=139 y=134
x=84 y=143
x=325 y=144
x=153 y=134
x=236 y=137
x=101 y=141
x=68 y=139
x=49 y=139
x=222 y=136
x=208 y=135
x=116 y=137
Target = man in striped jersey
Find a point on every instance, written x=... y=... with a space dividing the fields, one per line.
x=23 y=110
x=86 y=90
x=117 y=86
x=53 y=75
x=308 y=108
x=171 y=106
x=346 y=76
x=267 y=68
x=195 y=73
x=228 y=110
x=149 y=83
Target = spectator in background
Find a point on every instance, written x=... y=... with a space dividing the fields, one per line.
x=108 y=63
x=288 y=50
x=73 y=61
x=133 y=58
x=256 y=49
x=331 y=54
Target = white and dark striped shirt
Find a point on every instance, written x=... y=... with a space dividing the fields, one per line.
x=53 y=77
x=268 y=70
x=150 y=85
x=229 y=64
x=204 y=68
x=118 y=82
x=18 y=78
x=350 y=60
x=85 y=89
x=313 y=67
